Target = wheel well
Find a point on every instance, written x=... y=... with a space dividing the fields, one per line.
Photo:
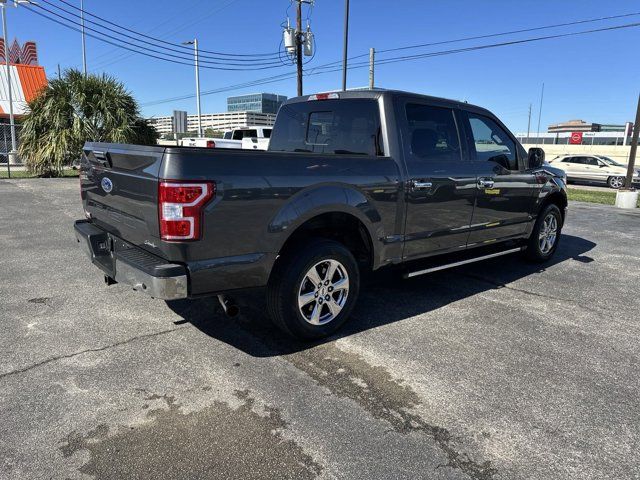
x=559 y=200
x=341 y=227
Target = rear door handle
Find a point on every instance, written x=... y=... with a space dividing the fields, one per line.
x=485 y=183
x=420 y=185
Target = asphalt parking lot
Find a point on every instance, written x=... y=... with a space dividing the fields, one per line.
x=499 y=370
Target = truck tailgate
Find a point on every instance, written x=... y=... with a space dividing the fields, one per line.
x=119 y=185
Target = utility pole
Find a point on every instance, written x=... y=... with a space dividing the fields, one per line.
x=84 y=41
x=12 y=157
x=628 y=184
x=299 y=45
x=372 y=67
x=346 y=45
x=196 y=60
x=529 y=125
x=540 y=113
x=59 y=72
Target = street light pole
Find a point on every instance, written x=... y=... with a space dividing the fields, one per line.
x=628 y=184
x=12 y=157
x=194 y=42
x=84 y=41
x=346 y=45
x=299 y=45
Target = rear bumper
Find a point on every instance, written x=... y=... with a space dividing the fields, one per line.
x=132 y=266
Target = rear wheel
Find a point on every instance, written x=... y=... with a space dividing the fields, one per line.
x=544 y=239
x=616 y=182
x=313 y=289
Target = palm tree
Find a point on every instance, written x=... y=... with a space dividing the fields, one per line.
x=75 y=109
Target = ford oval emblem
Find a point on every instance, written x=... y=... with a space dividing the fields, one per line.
x=106 y=184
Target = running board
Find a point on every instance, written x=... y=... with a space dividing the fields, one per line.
x=462 y=262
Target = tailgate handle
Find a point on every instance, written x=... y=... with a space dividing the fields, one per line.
x=103 y=158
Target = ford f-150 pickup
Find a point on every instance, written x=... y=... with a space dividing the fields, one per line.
x=351 y=182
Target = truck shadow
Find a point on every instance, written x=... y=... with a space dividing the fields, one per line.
x=385 y=299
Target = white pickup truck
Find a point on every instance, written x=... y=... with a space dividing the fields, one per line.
x=252 y=138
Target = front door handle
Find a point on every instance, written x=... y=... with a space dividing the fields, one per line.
x=485 y=183
x=419 y=185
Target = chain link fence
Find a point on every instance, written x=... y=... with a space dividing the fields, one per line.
x=7 y=167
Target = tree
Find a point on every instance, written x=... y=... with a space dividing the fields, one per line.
x=212 y=133
x=75 y=109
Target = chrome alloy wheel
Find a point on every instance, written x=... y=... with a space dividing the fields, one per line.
x=617 y=182
x=548 y=233
x=323 y=292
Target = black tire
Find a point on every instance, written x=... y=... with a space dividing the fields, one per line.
x=614 y=181
x=534 y=252
x=288 y=277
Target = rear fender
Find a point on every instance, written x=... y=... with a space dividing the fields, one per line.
x=310 y=203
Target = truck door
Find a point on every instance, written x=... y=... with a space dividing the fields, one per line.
x=441 y=186
x=505 y=188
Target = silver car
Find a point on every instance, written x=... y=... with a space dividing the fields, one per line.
x=594 y=168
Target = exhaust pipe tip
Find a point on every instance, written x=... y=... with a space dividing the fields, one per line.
x=229 y=306
x=233 y=311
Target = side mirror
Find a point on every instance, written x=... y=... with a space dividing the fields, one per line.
x=536 y=158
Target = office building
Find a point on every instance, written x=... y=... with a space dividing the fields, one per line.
x=256 y=102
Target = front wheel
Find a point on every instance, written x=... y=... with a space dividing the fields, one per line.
x=545 y=237
x=616 y=182
x=313 y=289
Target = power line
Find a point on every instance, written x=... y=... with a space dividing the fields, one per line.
x=491 y=35
x=512 y=32
x=180 y=51
x=108 y=58
x=272 y=54
x=182 y=56
x=504 y=44
x=155 y=54
x=331 y=67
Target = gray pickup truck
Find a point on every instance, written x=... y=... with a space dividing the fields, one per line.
x=352 y=182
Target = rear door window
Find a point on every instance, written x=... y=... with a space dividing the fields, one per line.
x=433 y=133
x=343 y=127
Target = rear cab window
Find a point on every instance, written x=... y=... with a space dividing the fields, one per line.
x=342 y=127
x=240 y=134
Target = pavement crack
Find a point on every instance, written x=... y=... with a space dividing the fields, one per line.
x=348 y=375
x=88 y=350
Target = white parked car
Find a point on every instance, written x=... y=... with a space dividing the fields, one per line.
x=594 y=168
x=233 y=139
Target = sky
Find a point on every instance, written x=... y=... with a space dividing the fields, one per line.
x=594 y=77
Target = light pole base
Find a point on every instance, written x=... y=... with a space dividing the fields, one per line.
x=627 y=199
x=14 y=158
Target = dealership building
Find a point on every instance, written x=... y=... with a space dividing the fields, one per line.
x=579 y=132
x=242 y=111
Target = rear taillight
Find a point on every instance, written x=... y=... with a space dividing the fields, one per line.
x=180 y=208
x=211 y=144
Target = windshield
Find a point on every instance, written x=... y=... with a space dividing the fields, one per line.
x=609 y=161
